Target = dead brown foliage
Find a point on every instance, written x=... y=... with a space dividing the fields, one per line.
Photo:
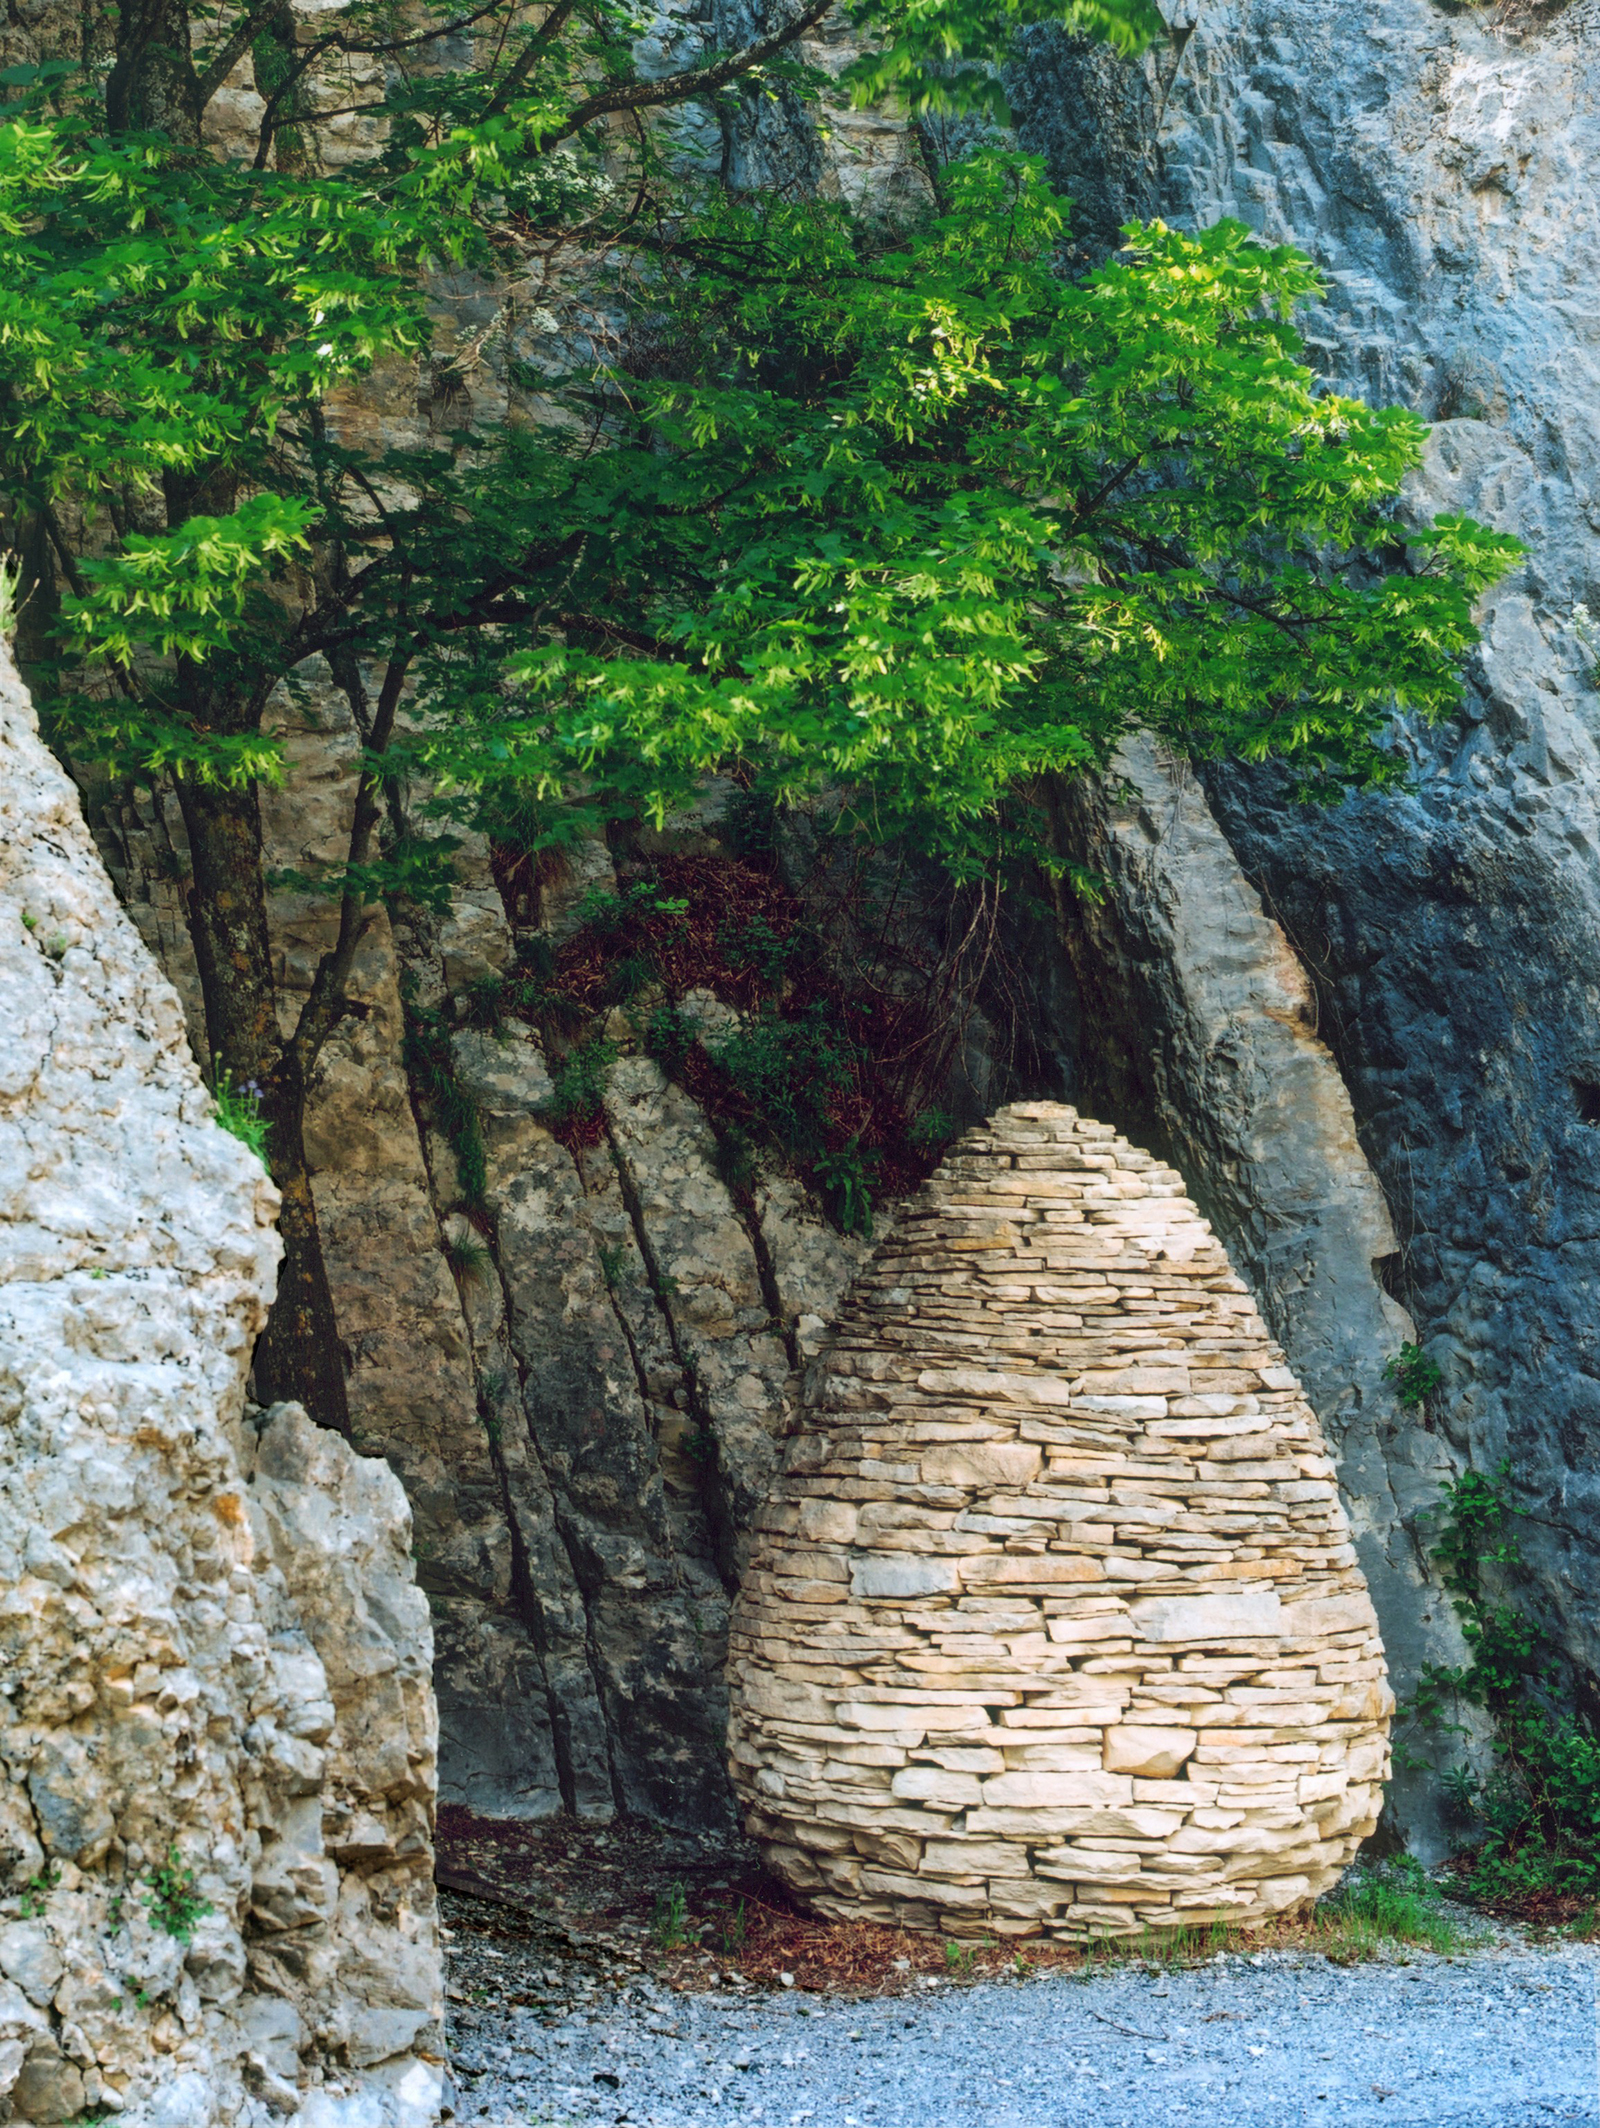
x=700 y=1915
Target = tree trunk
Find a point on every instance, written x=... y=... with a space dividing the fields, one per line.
x=152 y=86
x=299 y=1357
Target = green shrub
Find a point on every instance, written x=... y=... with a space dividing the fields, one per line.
x=576 y=1109
x=755 y=945
x=1414 y=1375
x=605 y=910
x=1397 y=1902
x=787 y=1069
x=669 y=1037
x=171 y=1900
x=935 y=1126
x=846 y=1177
x=670 y=1923
x=1539 y=1806
x=431 y=1067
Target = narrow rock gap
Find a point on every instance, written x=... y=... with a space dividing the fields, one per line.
x=713 y=1499
x=651 y=1427
x=742 y=1197
x=524 y=1595
x=561 y=1737
x=639 y=1375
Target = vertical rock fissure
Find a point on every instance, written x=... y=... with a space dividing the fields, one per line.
x=524 y=1592
x=713 y=1499
x=560 y=1721
x=640 y=1376
x=743 y=1202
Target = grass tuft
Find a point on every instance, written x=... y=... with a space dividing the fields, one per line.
x=238 y=1110
x=1396 y=1902
x=469 y=1258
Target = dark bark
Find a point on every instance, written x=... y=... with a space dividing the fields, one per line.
x=299 y=1357
x=152 y=86
x=283 y=140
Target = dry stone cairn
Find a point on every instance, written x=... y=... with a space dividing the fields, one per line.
x=1052 y=1622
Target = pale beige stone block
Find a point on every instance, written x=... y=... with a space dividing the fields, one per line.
x=1209 y=1619
x=932 y=1784
x=1156 y=1754
x=984 y=1466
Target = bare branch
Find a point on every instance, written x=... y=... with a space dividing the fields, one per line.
x=694 y=81
x=328 y=1000
x=530 y=55
x=238 y=42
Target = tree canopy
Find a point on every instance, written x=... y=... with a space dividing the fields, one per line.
x=900 y=512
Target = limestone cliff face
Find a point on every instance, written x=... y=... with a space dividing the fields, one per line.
x=215 y=1712
x=1365 y=1038
x=580 y=1378
x=1439 y=166
x=1191 y=1021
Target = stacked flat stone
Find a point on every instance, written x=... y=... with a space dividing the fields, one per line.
x=1052 y=1622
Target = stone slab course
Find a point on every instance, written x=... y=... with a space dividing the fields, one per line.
x=1052 y=1622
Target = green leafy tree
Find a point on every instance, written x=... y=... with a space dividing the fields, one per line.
x=929 y=522
x=911 y=516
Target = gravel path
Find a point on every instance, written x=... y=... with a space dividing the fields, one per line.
x=1498 y=2039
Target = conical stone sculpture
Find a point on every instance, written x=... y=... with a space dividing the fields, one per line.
x=1052 y=1622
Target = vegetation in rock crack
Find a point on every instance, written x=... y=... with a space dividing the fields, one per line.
x=1415 y=1376
x=576 y=1108
x=428 y=1060
x=816 y=1067
x=36 y=1891
x=908 y=515
x=238 y=1110
x=471 y=1260
x=171 y=1899
x=1538 y=1807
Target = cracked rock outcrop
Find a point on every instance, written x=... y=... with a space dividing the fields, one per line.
x=216 y=1725
x=1438 y=165
x=1053 y=1622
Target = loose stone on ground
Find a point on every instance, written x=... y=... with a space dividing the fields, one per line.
x=1501 y=2039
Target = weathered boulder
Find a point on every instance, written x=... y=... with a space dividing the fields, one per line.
x=215 y=1712
x=1053 y=1622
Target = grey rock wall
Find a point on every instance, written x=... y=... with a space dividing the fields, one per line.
x=580 y=1384
x=216 y=1721
x=1439 y=164
x=1196 y=1024
x=582 y=1423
